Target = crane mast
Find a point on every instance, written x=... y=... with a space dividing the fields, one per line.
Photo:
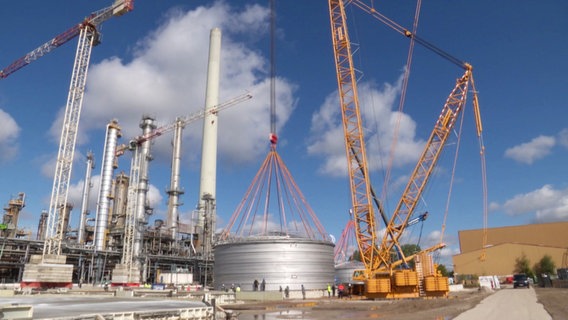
x=54 y=231
x=88 y=37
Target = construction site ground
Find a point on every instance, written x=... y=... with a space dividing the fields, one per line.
x=75 y=302
x=553 y=300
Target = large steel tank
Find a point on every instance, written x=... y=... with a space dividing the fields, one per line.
x=280 y=261
x=344 y=271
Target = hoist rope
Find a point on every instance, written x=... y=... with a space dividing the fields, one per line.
x=400 y=29
x=479 y=127
x=452 y=178
x=401 y=101
x=272 y=67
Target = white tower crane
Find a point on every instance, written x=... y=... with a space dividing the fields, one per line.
x=88 y=37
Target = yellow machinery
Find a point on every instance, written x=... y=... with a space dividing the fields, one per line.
x=382 y=276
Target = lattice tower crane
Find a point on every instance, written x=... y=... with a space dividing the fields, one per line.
x=377 y=256
x=88 y=37
x=131 y=232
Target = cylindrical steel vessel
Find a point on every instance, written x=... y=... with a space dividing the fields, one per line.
x=344 y=272
x=280 y=261
x=107 y=169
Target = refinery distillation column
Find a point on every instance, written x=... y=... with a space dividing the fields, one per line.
x=105 y=191
x=206 y=220
x=128 y=271
x=175 y=190
x=142 y=207
x=85 y=199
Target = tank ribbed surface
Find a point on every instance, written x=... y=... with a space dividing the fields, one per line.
x=344 y=272
x=280 y=260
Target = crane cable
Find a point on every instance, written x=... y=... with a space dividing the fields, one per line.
x=405 y=32
x=273 y=136
x=401 y=101
x=479 y=128
x=479 y=131
x=452 y=178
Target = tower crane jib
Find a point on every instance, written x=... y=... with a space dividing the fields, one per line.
x=138 y=174
x=119 y=8
x=182 y=122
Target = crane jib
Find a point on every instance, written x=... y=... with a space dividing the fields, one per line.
x=117 y=9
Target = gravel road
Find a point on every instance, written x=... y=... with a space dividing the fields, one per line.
x=507 y=303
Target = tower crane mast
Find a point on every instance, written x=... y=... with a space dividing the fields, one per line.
x=88 y=37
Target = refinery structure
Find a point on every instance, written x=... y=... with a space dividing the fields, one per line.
x=119 y=246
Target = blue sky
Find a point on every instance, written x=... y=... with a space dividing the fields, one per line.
x=153 y=61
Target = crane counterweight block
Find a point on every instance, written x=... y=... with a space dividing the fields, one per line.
x=122 y=6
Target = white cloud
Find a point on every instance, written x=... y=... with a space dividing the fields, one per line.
x=154 y=196
x=529 y=152
x=166 y=79
x=563 y=138
x=382 y=124
x=547 y=204
x=9 y=131
x=47 y=163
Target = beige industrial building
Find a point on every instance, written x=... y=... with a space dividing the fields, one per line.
x=505 y=244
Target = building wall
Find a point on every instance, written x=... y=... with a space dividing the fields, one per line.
x=500 y=259
x=546 y=234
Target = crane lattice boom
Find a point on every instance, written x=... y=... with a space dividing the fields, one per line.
x=423 y=170
x=354 y=141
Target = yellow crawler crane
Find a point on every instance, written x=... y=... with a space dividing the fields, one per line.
x=382 y=277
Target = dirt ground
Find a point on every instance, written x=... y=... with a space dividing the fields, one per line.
x=554 y=301
x=414 y=309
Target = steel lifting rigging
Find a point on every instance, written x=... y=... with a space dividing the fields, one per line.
x=377 y=256
x=273 y=190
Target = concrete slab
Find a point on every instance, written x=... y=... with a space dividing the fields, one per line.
x=60 y=306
